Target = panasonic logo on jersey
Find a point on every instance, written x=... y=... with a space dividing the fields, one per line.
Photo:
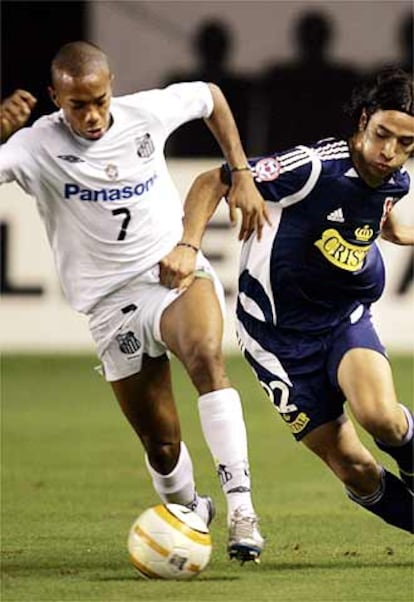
x=74 y=191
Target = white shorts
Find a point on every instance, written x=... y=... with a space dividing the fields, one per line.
x=125 y=325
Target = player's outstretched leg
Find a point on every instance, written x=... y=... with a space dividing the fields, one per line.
x=403 y=454
x=366 y=483
x=392 y=502
x=224 y=429
x=192 y=329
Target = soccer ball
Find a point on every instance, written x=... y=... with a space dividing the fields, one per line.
x=169 y=541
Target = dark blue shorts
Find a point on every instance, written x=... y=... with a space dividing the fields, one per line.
x=304 y=388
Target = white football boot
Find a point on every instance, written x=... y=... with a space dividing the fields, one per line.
x=203 y=505
x=245 y=541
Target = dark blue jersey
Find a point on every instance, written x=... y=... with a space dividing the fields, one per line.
x=319 y=260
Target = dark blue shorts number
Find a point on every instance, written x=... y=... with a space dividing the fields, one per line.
x=306 y=393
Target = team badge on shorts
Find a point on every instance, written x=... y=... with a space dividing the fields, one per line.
x=267 y=169
x=145 y=146
x=128 y=342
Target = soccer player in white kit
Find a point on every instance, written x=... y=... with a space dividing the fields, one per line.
x=114 y=222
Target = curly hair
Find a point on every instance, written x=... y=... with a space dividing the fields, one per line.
x=392 y=89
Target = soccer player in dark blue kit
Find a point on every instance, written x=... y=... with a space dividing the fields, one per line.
x=307 y=281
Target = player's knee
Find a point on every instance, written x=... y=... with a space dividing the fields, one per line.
x=389 y=427
x=210 y=377
x=204 y=358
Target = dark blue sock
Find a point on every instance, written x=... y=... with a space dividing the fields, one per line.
x=393 y=502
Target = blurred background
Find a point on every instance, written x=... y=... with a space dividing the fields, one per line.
x=286 y=69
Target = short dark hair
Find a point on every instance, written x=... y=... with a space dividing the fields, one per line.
x=78 y=58
x=389 y=90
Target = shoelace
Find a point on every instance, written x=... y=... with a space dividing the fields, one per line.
x=192 y=505
x=244 y=526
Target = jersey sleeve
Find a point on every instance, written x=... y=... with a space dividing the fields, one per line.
x=15 y=158
x=285 y=178
x=178 y=103
x=9 y=155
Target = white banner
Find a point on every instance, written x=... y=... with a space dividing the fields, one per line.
x=35 y=317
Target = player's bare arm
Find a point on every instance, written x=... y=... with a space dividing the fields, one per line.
x=399 y=234
x=177 y=268
x=243 y=193
x=14 y=112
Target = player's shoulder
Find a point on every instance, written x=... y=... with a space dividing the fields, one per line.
x=40 y=128
x=147 y=98
x=145 y=102
x=134 y=99
x=335 y=148
x=51 y=120
x=332 y=151
x=24 y=138
x=334 y=156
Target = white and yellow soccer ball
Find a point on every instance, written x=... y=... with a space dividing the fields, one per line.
x=169 y=541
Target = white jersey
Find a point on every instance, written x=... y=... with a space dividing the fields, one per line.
x=110 y=207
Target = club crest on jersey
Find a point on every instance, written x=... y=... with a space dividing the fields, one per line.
x=267 y=169
x=111 y=171
x=128 y=342
x=364 y=234
x=145 y=146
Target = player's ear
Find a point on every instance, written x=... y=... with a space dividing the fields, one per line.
x=53 y=96
x=363 y=120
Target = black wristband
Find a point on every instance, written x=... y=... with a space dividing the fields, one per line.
x=187 y=244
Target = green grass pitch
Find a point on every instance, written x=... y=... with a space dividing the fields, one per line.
x=73 y=480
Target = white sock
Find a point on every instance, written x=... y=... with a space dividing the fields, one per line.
x=224 y=430
x=177 y=487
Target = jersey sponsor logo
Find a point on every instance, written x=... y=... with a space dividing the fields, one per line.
x=71 y=158
x=74 y=191
x=341 y=253
x=128 y=342
x=145 y=146
x=267 y=169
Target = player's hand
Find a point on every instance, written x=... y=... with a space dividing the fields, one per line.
x=244 y=195
x=14 y=112
x=177 y=268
